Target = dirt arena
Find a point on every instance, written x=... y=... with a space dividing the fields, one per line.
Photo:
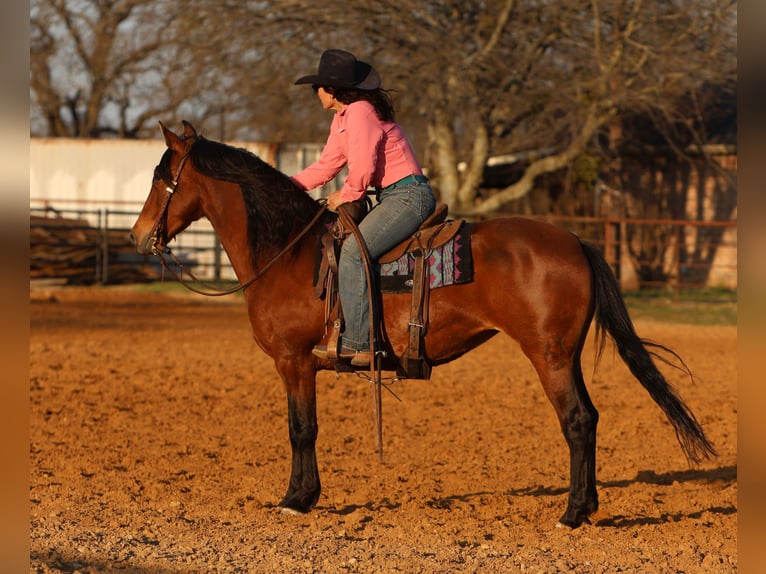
x=159 y=445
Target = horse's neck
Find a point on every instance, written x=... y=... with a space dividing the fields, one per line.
x=227 y=214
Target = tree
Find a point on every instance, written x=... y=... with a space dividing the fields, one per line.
x=473 y=78
x=105 y=67
x=102 y=68
x=477 y=78
x=551 y=78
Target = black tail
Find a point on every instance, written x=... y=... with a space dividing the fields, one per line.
x=612 y=318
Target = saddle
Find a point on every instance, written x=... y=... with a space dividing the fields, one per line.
x=434 y=232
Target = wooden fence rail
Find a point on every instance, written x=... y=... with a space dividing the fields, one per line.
x=83 y=246
x=663 y=253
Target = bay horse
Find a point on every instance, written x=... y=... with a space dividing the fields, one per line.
x=539 y=284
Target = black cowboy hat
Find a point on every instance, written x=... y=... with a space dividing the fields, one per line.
x=341 y=69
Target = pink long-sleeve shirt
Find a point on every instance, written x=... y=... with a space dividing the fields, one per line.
x=377 y=153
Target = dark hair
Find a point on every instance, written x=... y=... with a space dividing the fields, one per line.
x=379 y=99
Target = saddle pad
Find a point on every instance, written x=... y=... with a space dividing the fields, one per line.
x=449 y=264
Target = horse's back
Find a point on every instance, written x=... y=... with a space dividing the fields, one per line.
x=531 y=280
x=521 y=235
x=529 y=255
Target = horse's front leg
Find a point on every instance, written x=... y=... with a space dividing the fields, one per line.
x=299 y=376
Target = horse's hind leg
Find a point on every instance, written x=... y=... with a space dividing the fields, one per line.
x=561 y=376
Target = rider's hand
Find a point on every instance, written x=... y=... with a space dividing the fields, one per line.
x=334 y=200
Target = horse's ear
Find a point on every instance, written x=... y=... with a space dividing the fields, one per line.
x=189 y=131
x=172 y=140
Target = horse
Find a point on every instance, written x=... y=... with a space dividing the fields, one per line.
x=536 y=282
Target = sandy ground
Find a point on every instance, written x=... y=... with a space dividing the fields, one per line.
x=159 y=445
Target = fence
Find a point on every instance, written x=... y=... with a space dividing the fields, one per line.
x=79 y=245
x=662 y=253
x=92 y=246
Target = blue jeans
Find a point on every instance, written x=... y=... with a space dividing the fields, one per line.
x=398 y=214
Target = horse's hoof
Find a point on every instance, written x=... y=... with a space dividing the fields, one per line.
x=290 y=511
x=566 y=524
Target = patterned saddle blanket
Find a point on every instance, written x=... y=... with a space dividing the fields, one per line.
x=447 y=245
x=449 y=264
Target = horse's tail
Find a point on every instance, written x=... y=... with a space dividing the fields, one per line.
x=612 y=318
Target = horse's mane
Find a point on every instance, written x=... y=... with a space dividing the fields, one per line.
x=276 y=208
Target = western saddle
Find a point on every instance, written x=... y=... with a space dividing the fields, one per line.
x=435 y=231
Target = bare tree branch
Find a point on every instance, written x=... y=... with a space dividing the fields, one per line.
x=470 y=78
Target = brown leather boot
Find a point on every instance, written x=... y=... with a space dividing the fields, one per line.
x=320 y=351
x=357 y=358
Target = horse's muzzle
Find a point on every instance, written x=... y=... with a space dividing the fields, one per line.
x=145 y=245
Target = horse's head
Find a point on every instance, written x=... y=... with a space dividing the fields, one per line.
x=173 y=201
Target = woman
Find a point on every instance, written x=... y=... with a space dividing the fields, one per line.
x=364 y=137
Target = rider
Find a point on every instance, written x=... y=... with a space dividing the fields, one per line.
x=364 y=137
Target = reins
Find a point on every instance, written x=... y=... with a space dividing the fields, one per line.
x=376 y=334
x=160 y=239
x=216 y=292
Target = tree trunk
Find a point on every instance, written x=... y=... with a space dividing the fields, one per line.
x=445 y=162
x=547 y=164
x=474 y=174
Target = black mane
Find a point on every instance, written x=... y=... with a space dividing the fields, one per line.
x=276 y=208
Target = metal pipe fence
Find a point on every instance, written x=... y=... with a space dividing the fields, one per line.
x=92 y=246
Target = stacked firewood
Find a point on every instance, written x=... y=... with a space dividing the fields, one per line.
x=72 y=249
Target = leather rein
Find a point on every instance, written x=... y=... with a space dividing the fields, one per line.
x=161 y=249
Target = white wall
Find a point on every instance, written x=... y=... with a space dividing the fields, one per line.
x=83 y=176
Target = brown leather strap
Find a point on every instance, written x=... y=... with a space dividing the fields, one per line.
x=373 y=292
x=334 y=336
x=414 y=363
x=331 y=249
x=416 y=326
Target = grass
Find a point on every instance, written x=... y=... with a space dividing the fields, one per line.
x=697 y=307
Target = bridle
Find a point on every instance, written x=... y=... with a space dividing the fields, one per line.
x=159 y=231
x=160 y=248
